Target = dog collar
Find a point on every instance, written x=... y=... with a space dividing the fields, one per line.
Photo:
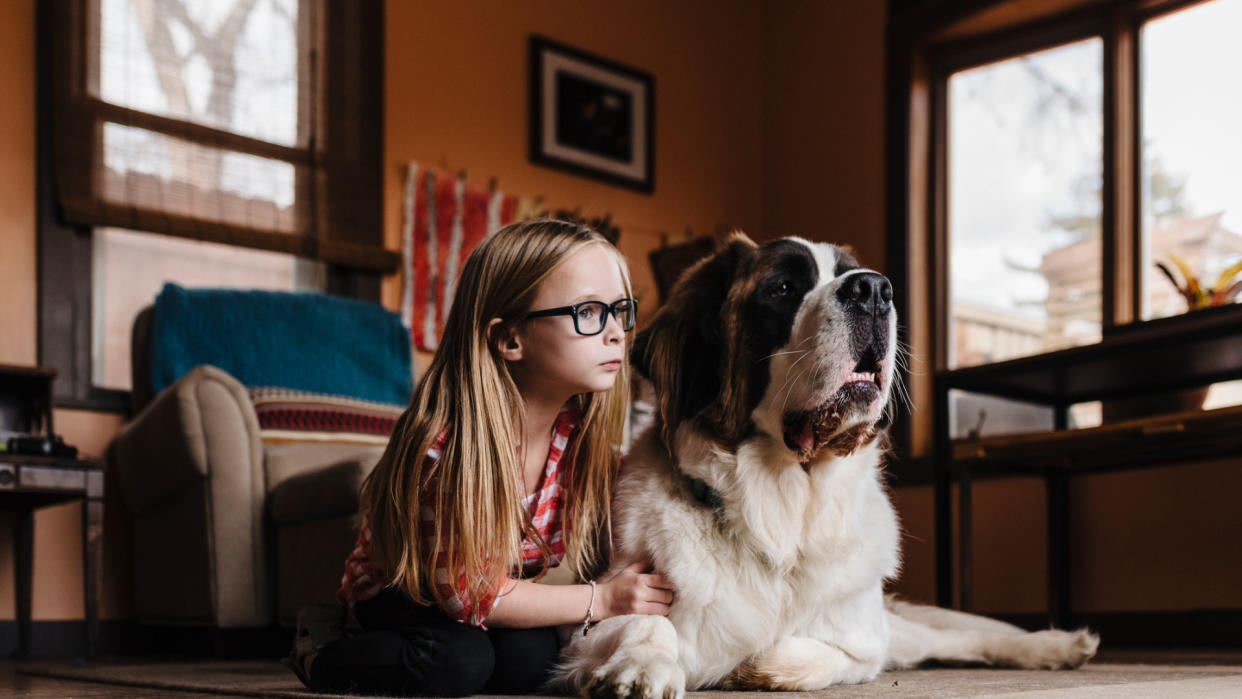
x=705 y=494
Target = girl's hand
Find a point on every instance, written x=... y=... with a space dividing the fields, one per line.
x=635 y=591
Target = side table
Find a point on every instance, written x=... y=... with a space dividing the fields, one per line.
x=30 y=482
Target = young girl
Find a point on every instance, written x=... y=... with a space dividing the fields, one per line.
x=500 y=469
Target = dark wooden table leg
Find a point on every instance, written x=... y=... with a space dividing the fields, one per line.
x=1058 y=547
x=24 y=564
x=965 y=544
x=943 y=499
x=944 y=536
x=92 y=558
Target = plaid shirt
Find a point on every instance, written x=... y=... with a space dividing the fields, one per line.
x=362 y=580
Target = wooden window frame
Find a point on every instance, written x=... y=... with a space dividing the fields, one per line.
x=927 y=41
x=64 y=249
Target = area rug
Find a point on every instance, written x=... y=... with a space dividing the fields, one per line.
x=1131 y=681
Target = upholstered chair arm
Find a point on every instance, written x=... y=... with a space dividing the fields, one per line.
x=202 y=426
x=192 y=460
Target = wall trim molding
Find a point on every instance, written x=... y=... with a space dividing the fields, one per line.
x=1199 y=627
x=63 y=639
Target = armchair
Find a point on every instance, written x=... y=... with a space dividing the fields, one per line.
x=243 y=499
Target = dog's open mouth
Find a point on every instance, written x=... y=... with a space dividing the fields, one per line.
x=808 y=431
x=867 y=370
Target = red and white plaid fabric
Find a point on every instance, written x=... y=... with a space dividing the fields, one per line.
x=362 y=580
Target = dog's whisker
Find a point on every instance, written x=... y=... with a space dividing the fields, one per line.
x=793 y=350
x=778 y=354
x=785 y=402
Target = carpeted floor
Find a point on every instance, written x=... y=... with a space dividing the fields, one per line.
x=1153 y=675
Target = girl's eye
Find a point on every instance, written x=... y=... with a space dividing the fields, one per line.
x=780 y=290
x=586 y=312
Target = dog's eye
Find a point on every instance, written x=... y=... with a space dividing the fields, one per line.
x=780 y=290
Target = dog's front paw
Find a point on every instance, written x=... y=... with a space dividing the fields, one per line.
x=648 y=677
x=1053 y=649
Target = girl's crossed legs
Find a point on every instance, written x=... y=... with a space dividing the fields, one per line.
x=411 y=649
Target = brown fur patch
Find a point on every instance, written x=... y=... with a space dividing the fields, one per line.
x=686 y=369
x=851 y=440
x=729 y=419
x=746 y=677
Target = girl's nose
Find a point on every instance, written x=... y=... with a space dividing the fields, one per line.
x=613 y=332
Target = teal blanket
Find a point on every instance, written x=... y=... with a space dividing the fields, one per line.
x=309 y=342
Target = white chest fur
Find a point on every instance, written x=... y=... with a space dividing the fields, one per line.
x=791 y=549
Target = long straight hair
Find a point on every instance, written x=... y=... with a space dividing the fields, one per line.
x=475 y=486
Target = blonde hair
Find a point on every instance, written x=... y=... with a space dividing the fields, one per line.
x=475 y=485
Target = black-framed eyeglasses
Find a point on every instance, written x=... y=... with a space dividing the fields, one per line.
x=590 y=317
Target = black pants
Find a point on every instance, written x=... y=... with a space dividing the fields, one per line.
x=411 y=649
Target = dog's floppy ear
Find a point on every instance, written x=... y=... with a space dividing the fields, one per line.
x=682 y=350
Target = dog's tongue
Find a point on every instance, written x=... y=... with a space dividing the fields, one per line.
x=799 y=433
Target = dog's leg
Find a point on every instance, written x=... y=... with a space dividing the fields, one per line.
x=626 y=656
x=800 y=664
x=940 y=618
x=968 y=639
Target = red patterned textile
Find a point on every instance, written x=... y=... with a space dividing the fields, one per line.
x=444 y=221
x=286 y=414
x=362 y=580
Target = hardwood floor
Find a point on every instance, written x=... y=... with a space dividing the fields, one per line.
x=13 y=684
x=1147 y=663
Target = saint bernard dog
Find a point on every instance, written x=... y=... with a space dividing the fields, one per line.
x=759 y=491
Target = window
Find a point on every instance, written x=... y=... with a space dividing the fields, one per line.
x=205 y=142
x=1078 y=154
x=241 y=70
x=1025 y=166
x=1154 y=159
x=1074 y=154
x=1191 y=147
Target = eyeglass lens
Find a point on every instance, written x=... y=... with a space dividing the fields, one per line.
x=592 y=316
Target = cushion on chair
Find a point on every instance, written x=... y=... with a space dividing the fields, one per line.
x=329 y=492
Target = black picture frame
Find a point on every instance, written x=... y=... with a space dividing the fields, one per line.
x=591 y=116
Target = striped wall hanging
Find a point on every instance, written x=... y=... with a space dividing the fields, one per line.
x=443 y=220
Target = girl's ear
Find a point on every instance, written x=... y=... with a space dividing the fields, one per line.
x=507 y=343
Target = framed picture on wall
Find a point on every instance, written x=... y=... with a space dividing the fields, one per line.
x=591 y=116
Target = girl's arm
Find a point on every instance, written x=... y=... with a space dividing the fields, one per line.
x=525 y=604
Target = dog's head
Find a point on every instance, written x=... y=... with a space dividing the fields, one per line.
x=792 y=338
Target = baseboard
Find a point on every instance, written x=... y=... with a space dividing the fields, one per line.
x=1201 y=627
x=64 y=639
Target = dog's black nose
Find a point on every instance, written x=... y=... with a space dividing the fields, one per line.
x=868 y=292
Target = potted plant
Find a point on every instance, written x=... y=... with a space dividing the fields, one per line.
x=1226 y=290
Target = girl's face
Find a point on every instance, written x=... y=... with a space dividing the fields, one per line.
x=553 y=359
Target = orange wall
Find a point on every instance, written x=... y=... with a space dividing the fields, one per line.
x=17 y=196
x=823 y=113
x=457 y=98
